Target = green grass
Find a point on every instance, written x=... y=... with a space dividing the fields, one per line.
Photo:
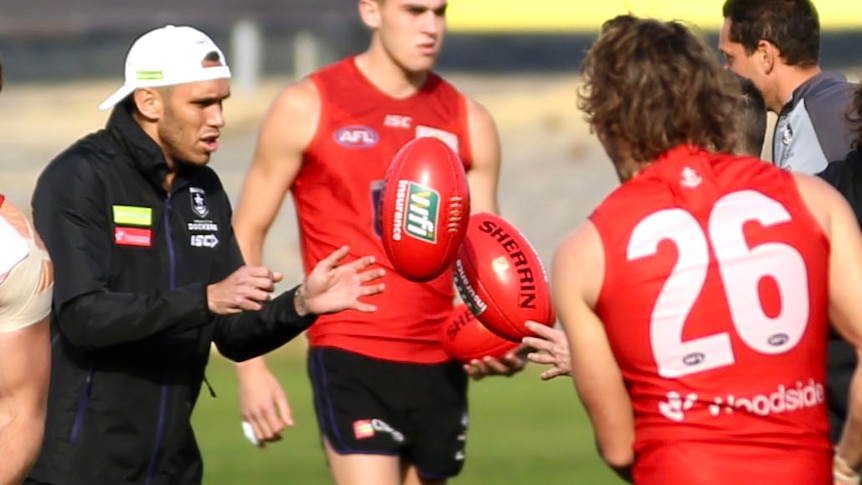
x=522 y=431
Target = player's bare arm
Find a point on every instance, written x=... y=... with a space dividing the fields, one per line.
x=25 y=351
x=484 y=173
x=845 y=308
x=24 y=375
x=286 y=131
x=483 y=178
x=576 y=277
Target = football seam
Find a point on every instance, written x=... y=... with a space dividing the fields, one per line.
x=482 y=290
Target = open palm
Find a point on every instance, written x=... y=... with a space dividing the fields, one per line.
x=331 y=287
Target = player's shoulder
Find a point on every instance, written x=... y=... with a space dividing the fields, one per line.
x=12 y=214
x=821 y=199
x=631 y=194
x=735 y=171
x=441 y=87
x=816 y=191
x=629 y=203
x=579 y=260
x=477 y=114
x=580 y=245
x=94 y=148
x=828 y=96
x=82 y=161
x=829 y=85
x=299 y=98
x=477 y=111
x=15 y=229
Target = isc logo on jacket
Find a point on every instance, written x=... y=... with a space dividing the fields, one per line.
x=204 y=240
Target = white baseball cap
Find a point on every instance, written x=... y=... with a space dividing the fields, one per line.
x=168 y=56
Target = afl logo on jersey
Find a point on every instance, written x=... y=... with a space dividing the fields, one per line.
x=357 y=136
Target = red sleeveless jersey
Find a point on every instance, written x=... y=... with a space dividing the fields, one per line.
x=715 y=304
x=336 y=194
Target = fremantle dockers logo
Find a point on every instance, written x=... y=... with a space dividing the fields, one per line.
x=199 y=201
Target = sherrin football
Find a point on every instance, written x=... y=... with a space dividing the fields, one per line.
x=464 y=338
x=501 y=278
x=424 y=208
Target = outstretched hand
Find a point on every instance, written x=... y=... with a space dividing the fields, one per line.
x=552 y=349
x=331 y=287
x=511 y=363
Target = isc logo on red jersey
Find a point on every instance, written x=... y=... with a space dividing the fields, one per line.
x=398 y=121
x=357 y=136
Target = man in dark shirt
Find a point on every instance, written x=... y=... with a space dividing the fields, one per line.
x=149 y=274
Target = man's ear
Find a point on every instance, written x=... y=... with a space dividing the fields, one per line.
x=767 y=55
x=149 y=102
x=369 y=11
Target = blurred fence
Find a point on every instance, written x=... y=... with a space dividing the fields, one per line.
x=30 y=18
x=58 y=40
x=61 y=39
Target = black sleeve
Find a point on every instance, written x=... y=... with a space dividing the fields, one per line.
x=846 y=176
x=250 y=334
x=828 y=110
x=72 y=218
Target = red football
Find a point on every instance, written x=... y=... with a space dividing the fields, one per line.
x=424 y=208
x=501 y=278
x=464 y=338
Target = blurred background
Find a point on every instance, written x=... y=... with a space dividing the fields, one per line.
x=61 y=40
x=519 y=58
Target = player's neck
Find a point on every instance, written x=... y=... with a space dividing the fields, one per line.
x=387 y=76
x=791 y=78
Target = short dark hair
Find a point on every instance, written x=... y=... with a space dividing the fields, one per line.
x=793 y=26
x=213 y=56
x=654 y=85
x=855 y=118
x=751 y=118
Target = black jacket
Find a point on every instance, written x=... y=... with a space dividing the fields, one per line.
x=131 y=328
x=846 y=176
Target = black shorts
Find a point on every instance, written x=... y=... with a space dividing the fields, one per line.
x=371 y=406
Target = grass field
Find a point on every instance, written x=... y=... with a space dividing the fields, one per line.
x=522 y=431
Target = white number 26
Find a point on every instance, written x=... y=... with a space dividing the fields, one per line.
x=741 y=268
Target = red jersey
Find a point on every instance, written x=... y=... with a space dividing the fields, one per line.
x=336 y=194
x=715 y=304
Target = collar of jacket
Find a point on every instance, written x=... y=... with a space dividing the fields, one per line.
x=815 y=82
x=142 y=150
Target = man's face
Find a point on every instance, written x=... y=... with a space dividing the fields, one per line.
x=738 y=61
x=412 y=31
x=192 y=120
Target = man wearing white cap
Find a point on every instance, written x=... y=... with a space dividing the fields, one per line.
x=148 y=274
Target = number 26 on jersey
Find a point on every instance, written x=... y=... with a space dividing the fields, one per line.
x=741 y=268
